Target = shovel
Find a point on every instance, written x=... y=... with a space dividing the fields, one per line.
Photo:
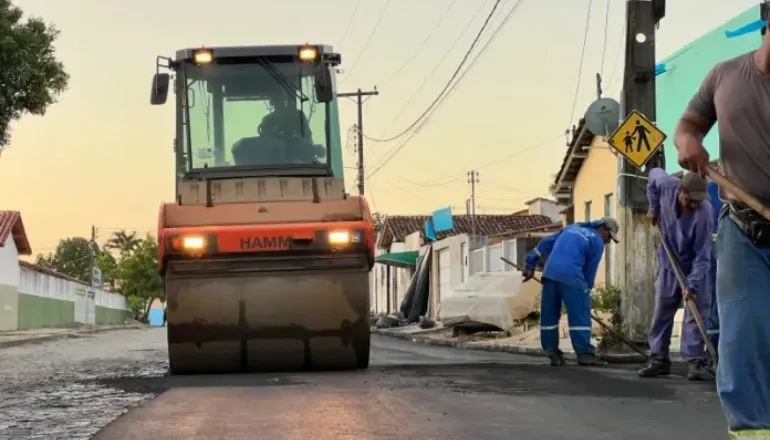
x=596 y=319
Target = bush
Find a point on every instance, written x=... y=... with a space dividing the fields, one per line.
x=606 y=299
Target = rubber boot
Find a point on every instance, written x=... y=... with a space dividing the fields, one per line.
x=557 y=358
x=698 y=371
x=658 y=366
x=590 y=359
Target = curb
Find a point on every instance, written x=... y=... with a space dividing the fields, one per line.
x=66 y=335
x=615 y=358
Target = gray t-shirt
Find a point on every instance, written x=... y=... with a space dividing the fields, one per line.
x=737 y=94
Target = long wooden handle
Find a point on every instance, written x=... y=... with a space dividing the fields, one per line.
x=596 y=319
x=682 y=281
x=735 y=190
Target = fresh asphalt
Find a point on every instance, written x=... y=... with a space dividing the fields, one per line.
x=418 y=392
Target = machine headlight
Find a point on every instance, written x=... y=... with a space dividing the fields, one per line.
x=193 y=243
x=203 y=56
x=342 y=238
x=339 y=237
x=308 y=53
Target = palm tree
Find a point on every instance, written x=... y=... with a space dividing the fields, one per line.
x=123 y=241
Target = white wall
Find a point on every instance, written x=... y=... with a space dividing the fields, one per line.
x=9 y=266
x=547 y=208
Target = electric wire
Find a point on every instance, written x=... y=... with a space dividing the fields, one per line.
x=606 y=28
x=441 y=61
x=449 y=83
x=422 y=45
x=350 y=24
x=582 y=60
x=370 y=36
x=452 y=87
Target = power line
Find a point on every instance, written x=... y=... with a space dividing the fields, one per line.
x=423 y=44
x=440 y=100
x=370 y=36
x=350 y=24
x=580 y=66
x=606 y=28
x=451 y=79
x=443 y=58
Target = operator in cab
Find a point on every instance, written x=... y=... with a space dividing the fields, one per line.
x=573 y=256
x=682 y=210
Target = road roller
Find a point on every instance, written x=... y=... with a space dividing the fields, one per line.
x=264 y=256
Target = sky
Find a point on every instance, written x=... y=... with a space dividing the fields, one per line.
x=103 y=156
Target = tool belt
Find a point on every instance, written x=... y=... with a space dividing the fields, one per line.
x=756 y=227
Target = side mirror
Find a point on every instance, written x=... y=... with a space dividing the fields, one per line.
x=159 y=92
x=323 y=84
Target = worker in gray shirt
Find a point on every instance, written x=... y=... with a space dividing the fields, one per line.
x=736 y=93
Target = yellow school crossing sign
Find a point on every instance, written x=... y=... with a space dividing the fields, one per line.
x=637 y=139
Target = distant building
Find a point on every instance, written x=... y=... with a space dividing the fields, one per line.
x=586 y=184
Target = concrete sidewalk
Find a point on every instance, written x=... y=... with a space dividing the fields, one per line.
x=33 y=336
x=526 y=342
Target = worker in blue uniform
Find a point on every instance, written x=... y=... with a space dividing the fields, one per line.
x=573 y=256
x=712 y=323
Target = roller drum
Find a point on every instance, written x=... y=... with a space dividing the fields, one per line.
x=271 y=315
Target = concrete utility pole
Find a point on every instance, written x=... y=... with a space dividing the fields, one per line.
x=93 y=253
x=359 y=95
x=473 y=179
x=635 y=270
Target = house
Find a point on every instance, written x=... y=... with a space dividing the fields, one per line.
x=544 y=206
x=34 y=297
x=13 y=242
x=401 y=238
x=586 y=185
x=684 y=70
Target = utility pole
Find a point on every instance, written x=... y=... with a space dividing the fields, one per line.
x=635 y=270
x=473 y=179
x=359 y=95
x=93 y=253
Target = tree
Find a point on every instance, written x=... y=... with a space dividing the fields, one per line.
x=123 y=242
x=139 y=275
x=31 y=77
x=72 y=257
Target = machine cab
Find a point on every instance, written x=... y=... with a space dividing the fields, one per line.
x=253 y=111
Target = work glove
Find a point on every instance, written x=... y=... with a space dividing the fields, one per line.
x=528 y=274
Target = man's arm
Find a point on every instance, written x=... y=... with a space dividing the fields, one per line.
x=595 y=251
x=544 y=247
x=654 y=180
x=703 y=243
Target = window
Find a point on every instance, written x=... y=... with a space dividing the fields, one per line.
x=608 y=205
x=587 y=216
x=259 y=114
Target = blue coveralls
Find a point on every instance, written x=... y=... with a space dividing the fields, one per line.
x=743 y=373
x=574 y=254
x=712 y=323
x=690 y=238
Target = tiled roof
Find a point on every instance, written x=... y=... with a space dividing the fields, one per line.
x=11 y=225
x=396 y=228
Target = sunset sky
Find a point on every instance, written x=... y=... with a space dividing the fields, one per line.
x=103 y=156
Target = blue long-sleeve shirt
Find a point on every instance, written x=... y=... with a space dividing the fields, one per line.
x=688 y=235
x=574 y=254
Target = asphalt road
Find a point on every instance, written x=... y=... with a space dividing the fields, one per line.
x=72 y=389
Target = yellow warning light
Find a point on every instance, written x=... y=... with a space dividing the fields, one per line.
x=308 y=53
x=339 y=237
x=193 y=243
x=203 y=56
